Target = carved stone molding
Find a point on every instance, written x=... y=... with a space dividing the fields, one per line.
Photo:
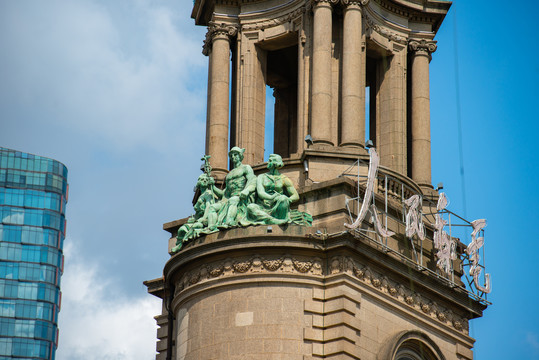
x=291 y=16
x=355 y=2
x=249 y=265
x=422 y=45
x=393 y=8
x=413 y=299
x=313 y=266
x=227 y=2
x=412 y=15
x=330 y=2
x=391 y=36
x=214 y=30
x=222 y=29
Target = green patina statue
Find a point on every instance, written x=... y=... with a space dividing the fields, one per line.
x=245 y=200
x=240 y=185
x=275 y=192
x=198 y=223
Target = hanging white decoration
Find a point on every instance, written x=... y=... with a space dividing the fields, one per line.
x=473 y=251
x=414 y=225
x=366 y=206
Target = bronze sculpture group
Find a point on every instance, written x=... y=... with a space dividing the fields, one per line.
x=245 y=200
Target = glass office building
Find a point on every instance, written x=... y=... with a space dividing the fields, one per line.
x=33 y=196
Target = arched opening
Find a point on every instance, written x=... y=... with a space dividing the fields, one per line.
x=414 y=350
x=410 y=345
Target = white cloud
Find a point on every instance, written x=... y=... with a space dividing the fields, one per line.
x=71 y=64
x=116 y=91
x=99 y=322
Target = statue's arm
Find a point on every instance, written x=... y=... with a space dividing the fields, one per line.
x=200 y=206
x=261 y=190
x=218 y=192
x=250 y=186
x=293 y=195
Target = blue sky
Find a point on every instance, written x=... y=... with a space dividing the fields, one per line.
x=117 y=91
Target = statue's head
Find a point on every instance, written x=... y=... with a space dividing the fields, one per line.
x=275 y=161
x=204 y=181
x=238 y=151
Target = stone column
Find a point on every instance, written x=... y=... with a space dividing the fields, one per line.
x=250 y=128
x=303 y=85
x=420 y=110
x=321 y=73
x=218 y=38
x=353 y=76
x=391 y=106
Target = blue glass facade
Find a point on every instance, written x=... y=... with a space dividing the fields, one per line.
x=33 y=196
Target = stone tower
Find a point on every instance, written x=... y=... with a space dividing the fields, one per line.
x=388 y=286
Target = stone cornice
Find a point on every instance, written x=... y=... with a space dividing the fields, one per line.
x=291 y=16
x=315 y=267
x=415 y=13
x=391 y=36
x=227 y=2
x=422 y=45
x=217 y=30
x=419 y=17
x=392 y=8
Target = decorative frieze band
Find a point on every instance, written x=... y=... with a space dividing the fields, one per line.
x=384 y=32
x=344 y=2
x=313 y=266
x=405 y=295
x=355 y=2
x=255 y=264
x=422 y=45
x=215 y=30
x=390 y=6
x=291 y=16
x=319 y=2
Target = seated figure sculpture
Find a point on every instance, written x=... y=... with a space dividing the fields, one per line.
x=240 y=184
x=245 y=200
x=275 y=192
x=199 y=221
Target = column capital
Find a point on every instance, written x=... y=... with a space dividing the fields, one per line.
x=217 y=30
x=422 y=46
x=354 y=2
x=324 y=2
